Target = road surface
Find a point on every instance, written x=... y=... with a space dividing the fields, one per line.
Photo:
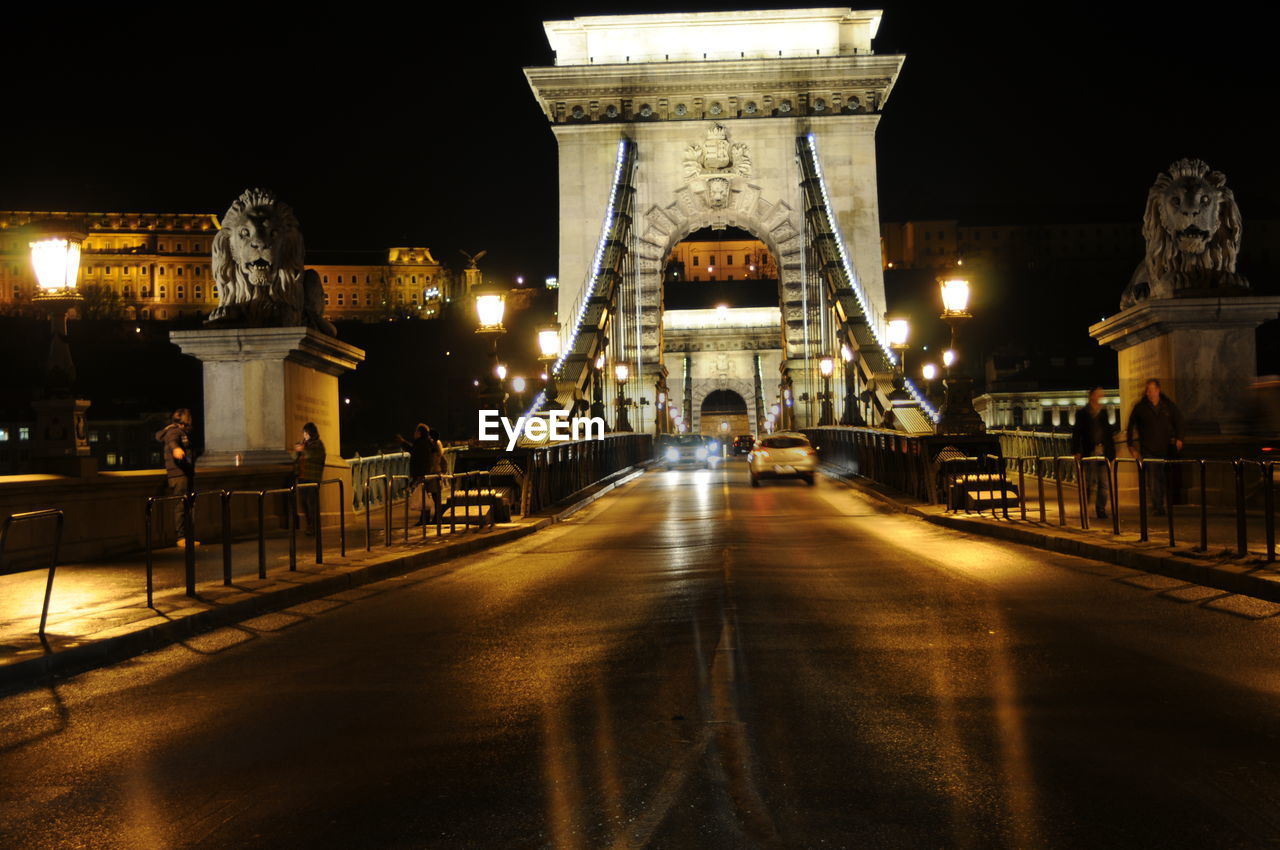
x=686 y=663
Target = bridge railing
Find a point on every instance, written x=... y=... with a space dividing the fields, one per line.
x=559 y=471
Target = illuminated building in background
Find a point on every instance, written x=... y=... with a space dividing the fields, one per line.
x=157 y=266
x=740 y=259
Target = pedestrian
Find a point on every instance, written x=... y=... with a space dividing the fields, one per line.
x=425 y=463
x=1092 y=436
x=180 y=469
x=308 y=462
x=1155 y=432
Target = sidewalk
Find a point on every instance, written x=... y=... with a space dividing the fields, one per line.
x=1217 y=567
x=98 y=611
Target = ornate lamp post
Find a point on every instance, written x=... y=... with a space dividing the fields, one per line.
x=851 y=415
x=490 y=300
x=597 y=388
x=61 y=436
x=621 y=371
x=899 y=330
x=958 y=415
x=827 y=414
x=548 y=352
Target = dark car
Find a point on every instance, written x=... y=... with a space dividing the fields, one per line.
x=743 y=444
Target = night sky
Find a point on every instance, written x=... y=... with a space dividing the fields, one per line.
x=383 y=126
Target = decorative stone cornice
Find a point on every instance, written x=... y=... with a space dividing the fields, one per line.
x=746 y=88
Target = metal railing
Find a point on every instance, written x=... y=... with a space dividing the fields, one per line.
x=373 y=468
x=558 y=471
x=1260 y=497
x=31 y=516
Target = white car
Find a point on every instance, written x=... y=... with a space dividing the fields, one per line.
x=786 y=454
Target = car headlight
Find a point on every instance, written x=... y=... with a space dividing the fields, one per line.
x=673 y=454
x=701 y=454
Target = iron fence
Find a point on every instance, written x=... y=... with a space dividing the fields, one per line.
x=557 y=472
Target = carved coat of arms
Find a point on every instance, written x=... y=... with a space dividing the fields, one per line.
x=711 y=165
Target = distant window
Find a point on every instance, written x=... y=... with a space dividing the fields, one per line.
x=107 y=270
x=730 y=277
x=368 y=299
x=93 y=436
x=413 y=278
x=697 y=278
x=697 y=262
x=728 y=261
x=712 y=261
x=24 y=433
x=4 y=435
x=326 y=299
x=112 y=459
x=161 y=271
x=326 y=278
x=198 y=272
x=178 y=271
x=341 y=303
x=178 y=247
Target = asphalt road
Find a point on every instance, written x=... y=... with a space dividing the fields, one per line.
x=687 y=663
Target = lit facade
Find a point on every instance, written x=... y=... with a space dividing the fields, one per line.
x=158 y=267
x=744 y=259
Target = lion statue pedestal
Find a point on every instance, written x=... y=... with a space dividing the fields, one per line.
x=261 y=385
x=271 y=360
x=1202 y=350
x=1187 y=317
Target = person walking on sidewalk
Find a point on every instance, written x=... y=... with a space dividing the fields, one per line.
x=1155 y=431
x=308 y=462
x=425 y=459
x=180 y=468
x=1091 y=436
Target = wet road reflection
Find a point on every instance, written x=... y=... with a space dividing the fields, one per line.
x=689 y=662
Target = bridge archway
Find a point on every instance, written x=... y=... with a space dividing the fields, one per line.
x=724 y=413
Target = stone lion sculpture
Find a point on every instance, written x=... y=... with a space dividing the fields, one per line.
x=1192 y=230
x=257 y=263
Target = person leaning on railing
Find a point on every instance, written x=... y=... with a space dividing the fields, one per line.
x=1157 y=423
x=308 y=460
x=1092 y=436
x=426 y=458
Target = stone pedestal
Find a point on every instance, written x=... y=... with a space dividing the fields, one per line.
x=1201 y=349
x=261 y=385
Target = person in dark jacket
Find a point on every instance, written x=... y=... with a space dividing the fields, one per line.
x=425 y=459
x=179 y=467
x=308 y=462
x=1155 y=431
x=1091 y=436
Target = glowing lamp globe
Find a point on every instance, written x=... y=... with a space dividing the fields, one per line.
x=899 y=330
x=549 y=342
x=518 y=384
x=622 y=372
x=929 y=371
x=955 y=296
x=501 y=371
x=948 y=358
x=600 y=361
x=491 y=305
x=56 y=259
x=846 y=353
x=826 y=366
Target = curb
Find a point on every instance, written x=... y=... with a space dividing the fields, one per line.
x=1265 y=587
x=99 y=653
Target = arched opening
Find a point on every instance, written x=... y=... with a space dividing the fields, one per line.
x=724 y=414
x=712 y=267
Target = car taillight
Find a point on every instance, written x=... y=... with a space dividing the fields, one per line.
x=810 y=452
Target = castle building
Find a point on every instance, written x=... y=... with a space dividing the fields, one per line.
x=743 y=259
x=157 y=266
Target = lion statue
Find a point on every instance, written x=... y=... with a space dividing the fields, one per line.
x=1192 y=229
x=257 y=263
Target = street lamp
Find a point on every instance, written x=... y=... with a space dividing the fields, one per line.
x=621 y=371
x=899 y=331
x=597 y=384
x=61 y=435
x=548 y=353
x=827 y=415
x=958 y=414
x=490 y=301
